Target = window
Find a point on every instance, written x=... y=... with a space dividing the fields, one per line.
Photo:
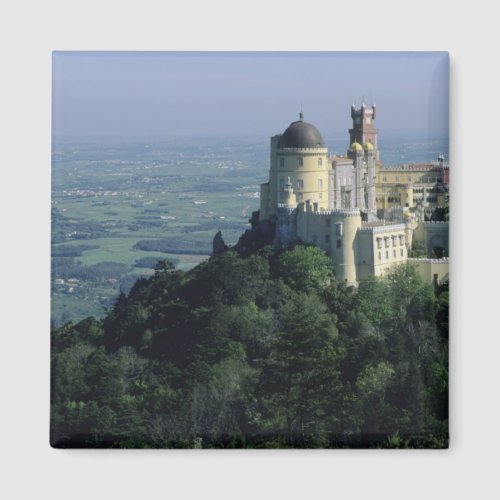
x=402 y=253
x=338 y=228
x=282 y=162
x=281 y=196
x=320 y=162
x=301 y=196
x=384 y=179
x=300 y=184
x=327 y=238
x=300 y=162
x=282 y=184
x=394 y=253
x=394 y=241
x=401 y=239
x=327 y=222
x=387 y=242
x=387 y=254
x=379 y=242
x=320 y=183
x=320 y=196
x=380 y=256
x=339 y=243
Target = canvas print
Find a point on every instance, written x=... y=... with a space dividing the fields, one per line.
x=250 y=250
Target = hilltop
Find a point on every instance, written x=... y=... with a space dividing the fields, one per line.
x=260 y=350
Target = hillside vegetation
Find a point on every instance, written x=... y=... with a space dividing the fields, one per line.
x=257 y=351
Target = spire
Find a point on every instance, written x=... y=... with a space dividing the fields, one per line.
x=301 y=115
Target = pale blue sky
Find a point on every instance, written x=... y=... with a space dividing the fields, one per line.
x=155 y=95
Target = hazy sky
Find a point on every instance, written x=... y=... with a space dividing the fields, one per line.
x=151 y=95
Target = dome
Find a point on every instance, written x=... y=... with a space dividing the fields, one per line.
x=356 y=146
x=368 y=145
x=301 y=134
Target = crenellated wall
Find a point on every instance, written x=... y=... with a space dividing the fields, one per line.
x=335 y=232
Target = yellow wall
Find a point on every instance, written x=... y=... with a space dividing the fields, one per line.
x=403 y=176
x=313 y=177
x=395 y=188
x=427 y=268
x=395 y=253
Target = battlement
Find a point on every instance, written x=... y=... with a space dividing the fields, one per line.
x=382 y=227
x=432 y=222
x=283 y=208
x=306 y=150
x=415 y=166
x=340 y=159
x=444 y=260
x=339 y=211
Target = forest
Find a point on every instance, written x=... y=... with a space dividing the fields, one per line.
x=260 y=349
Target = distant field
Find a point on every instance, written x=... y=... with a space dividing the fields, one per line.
x=114 y=196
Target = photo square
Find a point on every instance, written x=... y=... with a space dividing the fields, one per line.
x=250 y=250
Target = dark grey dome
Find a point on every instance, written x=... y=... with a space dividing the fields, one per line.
x=301 y=134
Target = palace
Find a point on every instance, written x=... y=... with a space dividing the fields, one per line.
x=365 y=216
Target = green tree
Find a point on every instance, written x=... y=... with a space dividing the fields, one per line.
x=305 y=268
x=302 y=377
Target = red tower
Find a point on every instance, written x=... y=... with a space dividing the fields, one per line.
x=363 y=128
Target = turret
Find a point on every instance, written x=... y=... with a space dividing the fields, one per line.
x=299 y=159
x=356 y=154
x=344 y=228
x=370 y=173
x=289 y=198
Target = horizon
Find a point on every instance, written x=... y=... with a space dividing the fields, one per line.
x=175 y=95
x=118 y=139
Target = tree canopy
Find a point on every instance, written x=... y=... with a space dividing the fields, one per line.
x=261 y=349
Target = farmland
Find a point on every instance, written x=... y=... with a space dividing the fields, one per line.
x=113 y=204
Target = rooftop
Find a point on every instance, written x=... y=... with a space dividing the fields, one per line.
x=301 y=134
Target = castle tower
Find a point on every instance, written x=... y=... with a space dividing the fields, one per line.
x=344 y=229
x=299 y=158
x=363 y=129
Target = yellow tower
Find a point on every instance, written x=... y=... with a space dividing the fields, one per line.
x=299 y=157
